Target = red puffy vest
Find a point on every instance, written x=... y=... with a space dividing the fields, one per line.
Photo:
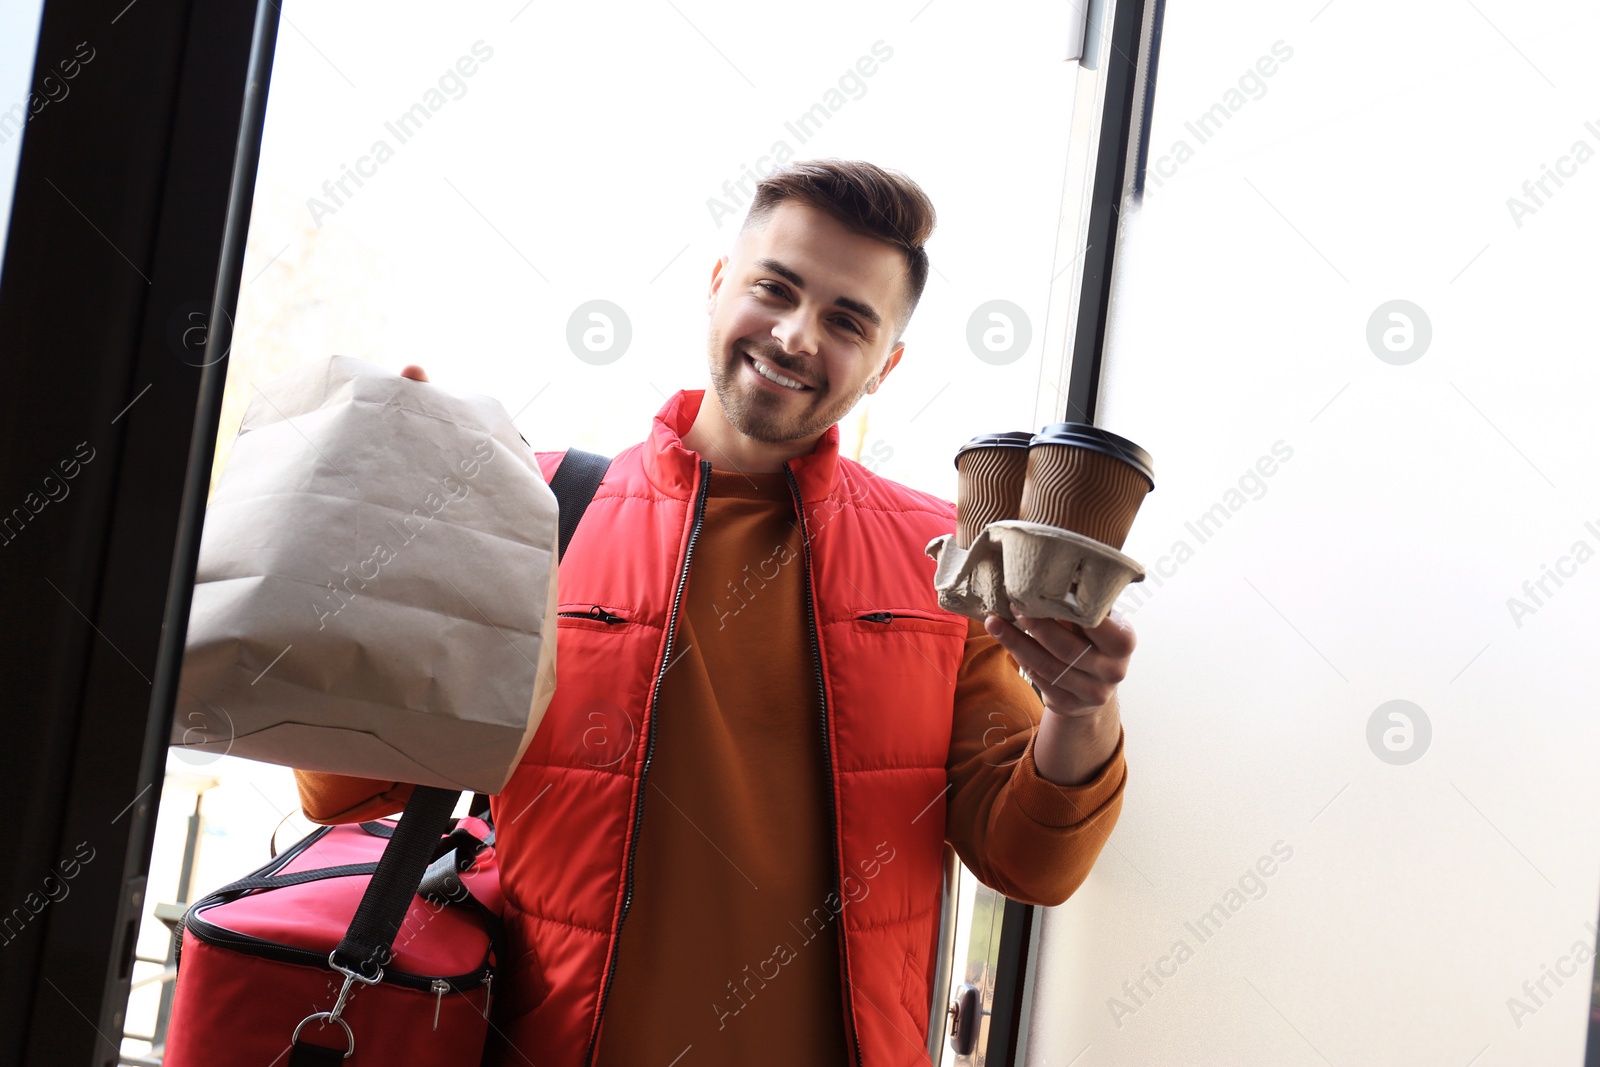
x=568 y=818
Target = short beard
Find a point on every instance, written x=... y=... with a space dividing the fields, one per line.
x=756 y=420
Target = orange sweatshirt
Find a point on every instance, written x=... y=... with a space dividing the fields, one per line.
x=733 y=847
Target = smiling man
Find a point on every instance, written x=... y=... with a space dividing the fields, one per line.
x=723 y=845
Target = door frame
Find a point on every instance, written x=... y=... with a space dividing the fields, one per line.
x=120 y=276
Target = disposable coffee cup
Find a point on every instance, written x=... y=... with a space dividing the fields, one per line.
x=991 y=468
x=1087 y=480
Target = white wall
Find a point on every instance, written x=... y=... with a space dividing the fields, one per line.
x=1373 y=564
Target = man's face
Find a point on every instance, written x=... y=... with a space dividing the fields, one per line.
x=804 y=299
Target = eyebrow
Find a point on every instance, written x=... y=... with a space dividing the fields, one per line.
x=864 y=310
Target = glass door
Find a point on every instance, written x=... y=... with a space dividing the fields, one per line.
x=455 y=187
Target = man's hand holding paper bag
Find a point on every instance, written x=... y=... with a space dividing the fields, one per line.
x=376 y=589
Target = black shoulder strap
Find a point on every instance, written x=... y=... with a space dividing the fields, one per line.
x=367 y=946
x=574 y=484
x=368 y=943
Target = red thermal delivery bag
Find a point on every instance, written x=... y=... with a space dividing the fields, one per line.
x=255 y=973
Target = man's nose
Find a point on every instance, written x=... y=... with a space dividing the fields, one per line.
x=796 y=333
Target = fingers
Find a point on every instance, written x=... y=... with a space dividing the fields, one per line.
x=1076 y=692
x=1064 y=685
x=1054 y=645
x=414 y=372
x=1061 y=639
x=1071 y=644
x=1113 y=636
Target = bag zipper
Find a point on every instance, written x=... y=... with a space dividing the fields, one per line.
x=596 y=612
x=827 y=757
x=649 y=751
x=250 y=945
x=278 y=863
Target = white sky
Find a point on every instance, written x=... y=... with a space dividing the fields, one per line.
x=586 y=153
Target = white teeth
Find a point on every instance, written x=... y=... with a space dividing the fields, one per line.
x=773 y=376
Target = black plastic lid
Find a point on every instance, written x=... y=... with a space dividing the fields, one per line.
x=1009 y=439
x=1093 y=438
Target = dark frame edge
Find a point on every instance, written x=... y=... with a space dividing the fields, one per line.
x=1117 y=122
x=120 y=221
x=1105 y=207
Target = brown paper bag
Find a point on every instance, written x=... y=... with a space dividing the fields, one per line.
x=376 y=591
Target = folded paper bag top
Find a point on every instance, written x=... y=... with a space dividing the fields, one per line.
x=376 y=589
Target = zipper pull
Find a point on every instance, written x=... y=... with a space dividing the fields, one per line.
x=488 y=991
x=440 y=988
x=595 y=612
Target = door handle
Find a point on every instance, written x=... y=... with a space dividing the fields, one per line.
x=966 y=1010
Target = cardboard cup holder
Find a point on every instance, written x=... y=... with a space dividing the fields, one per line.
x=1047 y=571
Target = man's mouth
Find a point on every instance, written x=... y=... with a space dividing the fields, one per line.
x=774 y=375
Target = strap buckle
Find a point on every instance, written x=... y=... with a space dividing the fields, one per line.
x=356 y=975
x=351 y=977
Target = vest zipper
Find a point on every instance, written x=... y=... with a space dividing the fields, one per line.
x=596 y=612
x=649 y=750
x=827 y=759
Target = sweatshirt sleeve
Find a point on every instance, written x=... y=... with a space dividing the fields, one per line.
x=1020 y=834
x=336 y=798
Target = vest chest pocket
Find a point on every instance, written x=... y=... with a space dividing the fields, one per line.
x=910 y=620
x=593 y=616
x=906 y=661
x=602 y=666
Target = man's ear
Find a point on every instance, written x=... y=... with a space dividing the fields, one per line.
x=888 y=365
x=719 y=271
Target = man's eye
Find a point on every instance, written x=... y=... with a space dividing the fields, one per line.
x=778 y=290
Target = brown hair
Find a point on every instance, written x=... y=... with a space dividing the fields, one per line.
x=865 y=199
